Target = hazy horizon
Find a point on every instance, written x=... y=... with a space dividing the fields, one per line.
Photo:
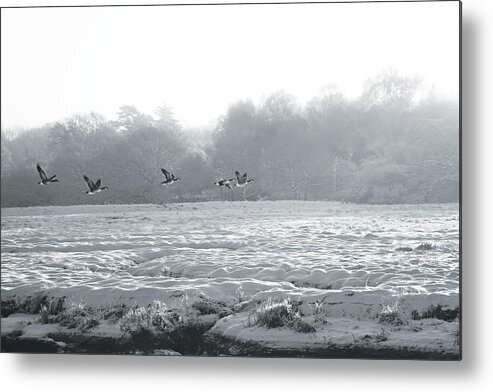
x=210 y=124
x=200 y=60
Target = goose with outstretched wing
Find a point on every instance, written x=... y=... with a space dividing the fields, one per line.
x=242 y=179
x=44 y=178
x=169 y=177
x=93 y=187
x=222 y=182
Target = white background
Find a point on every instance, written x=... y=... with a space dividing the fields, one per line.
x=473 y=373
x=199 y=60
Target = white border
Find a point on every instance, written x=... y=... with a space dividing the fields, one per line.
x=123 y=373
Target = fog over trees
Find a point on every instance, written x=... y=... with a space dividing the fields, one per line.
x=388 y=146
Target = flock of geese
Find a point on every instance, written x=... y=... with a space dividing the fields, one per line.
x=240 y=181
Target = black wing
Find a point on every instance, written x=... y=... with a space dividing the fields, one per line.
x=238 y=175
x=166 y=174
x=244 y=176
x=98 y=183
x=228 y=186
x=41 y=172
x=89 y=183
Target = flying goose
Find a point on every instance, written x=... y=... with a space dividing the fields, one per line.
x=94 y=187
x=44 y=179
x=227 y=183
x=242 y=179
x=170 y=178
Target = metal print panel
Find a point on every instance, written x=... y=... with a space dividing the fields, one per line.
x=271 y=180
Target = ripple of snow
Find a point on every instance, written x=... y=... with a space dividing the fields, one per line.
x=100 y=253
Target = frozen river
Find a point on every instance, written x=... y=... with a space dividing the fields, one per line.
x=104 y=253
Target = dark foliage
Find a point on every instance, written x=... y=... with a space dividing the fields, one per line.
x=385 y=147
x=438 y=312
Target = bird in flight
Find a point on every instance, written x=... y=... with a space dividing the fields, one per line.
x=44 y=178
x=93 y=187
x=170 y=178
x=227 y=183
x=242 y=179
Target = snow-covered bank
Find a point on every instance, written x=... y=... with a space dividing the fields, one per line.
x=338 y=325
x=340 y=338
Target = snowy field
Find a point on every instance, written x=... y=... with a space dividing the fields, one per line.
x=353 y=263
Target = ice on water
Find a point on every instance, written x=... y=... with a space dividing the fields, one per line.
x=100 y=254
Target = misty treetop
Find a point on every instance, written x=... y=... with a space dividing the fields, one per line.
x=388 y=146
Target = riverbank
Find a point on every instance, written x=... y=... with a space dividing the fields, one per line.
x=354 y=328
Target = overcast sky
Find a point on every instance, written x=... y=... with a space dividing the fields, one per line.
x=200 y=59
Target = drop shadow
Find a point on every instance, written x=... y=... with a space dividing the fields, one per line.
x=471 y=211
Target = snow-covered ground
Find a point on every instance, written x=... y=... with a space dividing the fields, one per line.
x=360 y=258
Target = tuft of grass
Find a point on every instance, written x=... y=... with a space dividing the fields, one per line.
x=390 y=315
x=277 y=314
x=210 y=306
x=78 y=316
x=48 y=307
x=155 y=321
x=44 y=315
x=240 y=295
x=273 y=314
x=391 y=318
x=9 y=306
x=382 y=336
x=152 y=319
x=300 y=325
x=151 y=326
x=457 y=337
x=113 y=313
x=88 y=324
x=34 y=304
x=319 y=314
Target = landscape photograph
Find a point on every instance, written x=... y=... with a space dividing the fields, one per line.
x=263 y=180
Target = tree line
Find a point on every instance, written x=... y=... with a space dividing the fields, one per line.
x=388 y=146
